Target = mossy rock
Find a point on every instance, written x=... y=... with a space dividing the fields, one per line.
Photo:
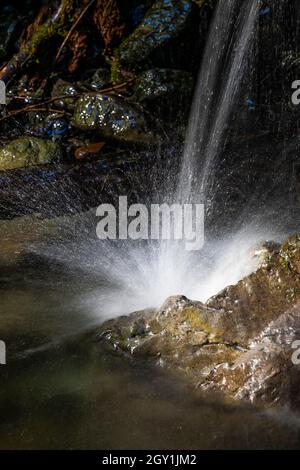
x=164 y=21
x=28 y=152
x=112 y=118
x=262 y=296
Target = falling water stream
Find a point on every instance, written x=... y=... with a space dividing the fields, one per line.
x=142 y=275
x=59 y=390
x=221 y=73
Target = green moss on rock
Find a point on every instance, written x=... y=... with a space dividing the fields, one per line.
x=47 y=31
x=164 y=21
x=112 y=118
x=27 y=152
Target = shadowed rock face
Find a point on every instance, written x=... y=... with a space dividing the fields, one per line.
x=239 y=343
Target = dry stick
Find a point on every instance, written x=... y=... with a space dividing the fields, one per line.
x=76 y=95
x=72 y=29
x=50 y=110
x=27 y=109
x=32 y=107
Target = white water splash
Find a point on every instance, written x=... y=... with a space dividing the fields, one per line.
x=136 y=275
x=128 y=276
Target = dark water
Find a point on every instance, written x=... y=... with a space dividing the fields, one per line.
x=61 y=390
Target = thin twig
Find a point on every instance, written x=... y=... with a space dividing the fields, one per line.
x=72 y=29
x=49 y=110
x=32 y=107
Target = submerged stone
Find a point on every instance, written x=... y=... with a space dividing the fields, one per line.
x=28 y=152
x=111 y=117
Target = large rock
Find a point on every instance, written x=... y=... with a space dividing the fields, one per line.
x=164 y=21
x=28 y=152
x=265 y=372
x=111 y=117
x=238 y=343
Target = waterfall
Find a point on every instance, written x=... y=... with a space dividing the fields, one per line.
x=140 y=274
x=219 y=80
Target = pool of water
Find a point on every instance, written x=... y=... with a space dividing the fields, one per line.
x=60 y=389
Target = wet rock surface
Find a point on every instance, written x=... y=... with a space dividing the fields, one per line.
x=239 y=343
x=111 y=117
x=158 y=83
x=163 y=22
x=27 y=152
x=164 y=89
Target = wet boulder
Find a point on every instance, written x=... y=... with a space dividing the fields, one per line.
x=166 y=90
x=28 y=152
x=268 y=372
x=182 y=335
x=239 y=343
x=111 y=118
x=164 y=21
x=262 y=253
x=46 y=125
x=68 y=92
